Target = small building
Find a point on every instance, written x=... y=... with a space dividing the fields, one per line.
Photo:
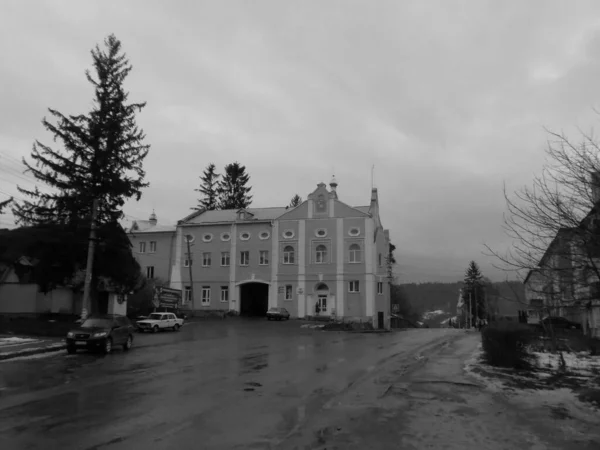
x=153 y=247
x=20 y=295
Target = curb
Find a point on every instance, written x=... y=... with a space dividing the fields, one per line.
x=33 y=351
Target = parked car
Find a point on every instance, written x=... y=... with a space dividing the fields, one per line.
x=160 y=321
x=561 y=323
x=101 y=333
x=278 y=314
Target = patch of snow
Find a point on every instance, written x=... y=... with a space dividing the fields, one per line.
x=581 y=362
x=431 y=314
x=16 y=340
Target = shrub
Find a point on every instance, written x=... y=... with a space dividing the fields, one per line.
x=504 y=345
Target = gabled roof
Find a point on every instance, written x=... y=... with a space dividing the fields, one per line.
x=364 y=209
x=230 y=215
x=561 y=235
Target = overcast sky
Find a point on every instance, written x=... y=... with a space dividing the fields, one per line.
x=448 y=99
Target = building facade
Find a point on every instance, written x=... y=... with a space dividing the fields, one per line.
x=322 y=257
x=153 y=247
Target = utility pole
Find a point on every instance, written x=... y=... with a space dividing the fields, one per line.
x=470 y=312
x=190 y=259
x=87 y=287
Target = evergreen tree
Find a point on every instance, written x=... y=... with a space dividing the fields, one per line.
x=390 y=260
x=474 y=292
x=295 y=201
x=4 y=204
x=233 y=190
x=209 y=189
x=101 y=156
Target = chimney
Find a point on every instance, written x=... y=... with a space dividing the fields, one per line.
x=152 y=219
x=595 y=185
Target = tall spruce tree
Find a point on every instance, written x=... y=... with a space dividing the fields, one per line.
x=101 y=156
x=234 y=192
x=295 y=201
x=4 y=204
x=473 y=292
x=209 y=190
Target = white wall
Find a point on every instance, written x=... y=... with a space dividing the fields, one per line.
x=114 y=307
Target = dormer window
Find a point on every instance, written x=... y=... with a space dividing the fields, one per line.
x=244 y=215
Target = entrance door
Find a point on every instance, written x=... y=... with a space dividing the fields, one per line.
x=322 y=302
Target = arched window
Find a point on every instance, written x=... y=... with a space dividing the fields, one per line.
x=355 y=253
x=288 y=254
x=321 y=254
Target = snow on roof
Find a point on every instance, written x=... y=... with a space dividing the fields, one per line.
x=146 y=226
x=230 y=215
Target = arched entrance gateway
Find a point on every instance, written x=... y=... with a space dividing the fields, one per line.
x=254 y=299
x=322 y=294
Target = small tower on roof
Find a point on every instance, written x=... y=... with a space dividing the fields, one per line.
x=152 y=219
x=333 y=185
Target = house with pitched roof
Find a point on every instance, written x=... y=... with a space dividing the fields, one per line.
x=152 y=246
x=566 y=281
x=322 y=257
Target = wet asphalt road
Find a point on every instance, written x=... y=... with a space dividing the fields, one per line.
x=214 y=385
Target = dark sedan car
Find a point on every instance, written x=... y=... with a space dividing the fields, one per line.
x=101 y=333
x=278 y=314
x=561 y=323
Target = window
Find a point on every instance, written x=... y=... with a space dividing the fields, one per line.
x=380 y=260
x=264 y=235
x=205 y=295
x=321 y=232
x=354 y=286
x=224 y=293
x=263 y=258
x=142 y=247
x=186 y=263
x=288 y=292
x=380 y=288
x=288 y=234
x=245 y=236
x=187 y=294
x=288 y=254
x=206 y=259
x=225 y=236
x=207 y=237
x=244 y=258
x=150 y=272
x=354 y=231
x=152 y=246
x=355 y=254
x=321 y=254
x=225 y=259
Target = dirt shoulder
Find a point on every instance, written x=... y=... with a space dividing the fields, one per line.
x=425 y=400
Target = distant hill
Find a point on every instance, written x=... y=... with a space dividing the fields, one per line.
x=429 y=297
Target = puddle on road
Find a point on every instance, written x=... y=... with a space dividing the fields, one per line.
x=253 y=363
